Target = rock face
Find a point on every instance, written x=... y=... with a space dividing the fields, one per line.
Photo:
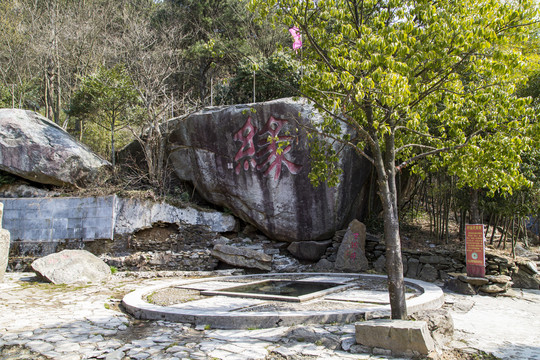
x=351 y=255
x=133 y=215
x=4 y=246
x=242 y=257
x=72 y=266
x=254 y=160
x=36 y=149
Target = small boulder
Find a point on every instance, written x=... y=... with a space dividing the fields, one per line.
x=429 y=273
x=475 y=281
x=380 y=264
x=524 y=280
x=313 y=335
x=309 y=250
x=72 y=266
x=460 y=287
x=493 y=288
x=242 y=257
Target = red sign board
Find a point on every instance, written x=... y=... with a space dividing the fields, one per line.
x=474 y=248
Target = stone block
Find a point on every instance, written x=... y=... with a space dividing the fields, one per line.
x=399 y=336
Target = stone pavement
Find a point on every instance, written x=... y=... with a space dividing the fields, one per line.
x=507 y=327
x=45 y=321
x=42 y=321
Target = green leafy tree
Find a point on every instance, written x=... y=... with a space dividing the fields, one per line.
x=277 y=76
x=107 y=98
x=414 y=79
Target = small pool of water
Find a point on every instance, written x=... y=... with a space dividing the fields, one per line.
x=282 y=288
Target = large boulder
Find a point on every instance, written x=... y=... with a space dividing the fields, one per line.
x=254 y=159
x=36 y=149
x=71 y=267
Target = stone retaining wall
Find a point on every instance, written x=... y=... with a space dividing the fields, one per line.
x=41 y=226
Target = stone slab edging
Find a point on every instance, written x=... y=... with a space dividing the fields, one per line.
x=431 y=298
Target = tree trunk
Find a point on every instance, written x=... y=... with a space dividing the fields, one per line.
x=475 y=211
x=112 y=145
x=386 y=172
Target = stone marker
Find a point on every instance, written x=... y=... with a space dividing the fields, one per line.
x=4 y=246
x=242 y=257
x=351 y=255
x=400 y=336
x=72 y=266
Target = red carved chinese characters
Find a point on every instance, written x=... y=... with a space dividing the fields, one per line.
x=246 y=152
x=272 y=156
x=270 y=149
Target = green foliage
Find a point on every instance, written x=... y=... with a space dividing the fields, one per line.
x=109 y=99
x=417 y=78
x=275 y=77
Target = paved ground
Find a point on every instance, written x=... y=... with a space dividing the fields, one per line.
x=42 y=321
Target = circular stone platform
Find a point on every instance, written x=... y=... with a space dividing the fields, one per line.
x=355 y=297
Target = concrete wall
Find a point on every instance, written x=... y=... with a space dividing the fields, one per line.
x=53 y=219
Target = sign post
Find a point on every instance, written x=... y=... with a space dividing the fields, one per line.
x=474 y=248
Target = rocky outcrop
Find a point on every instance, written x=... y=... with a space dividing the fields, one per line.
x=4 y=246
x=72 y=266
x=134 y=214
x=36 y=149
x=254 y=159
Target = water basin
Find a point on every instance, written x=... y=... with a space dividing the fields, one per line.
x=284 y=290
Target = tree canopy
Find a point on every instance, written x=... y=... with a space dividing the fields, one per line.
x=416 y=79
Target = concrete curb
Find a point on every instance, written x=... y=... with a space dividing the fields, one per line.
x=431 y=298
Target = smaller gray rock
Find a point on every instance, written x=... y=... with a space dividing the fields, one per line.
x=498 y=279
x=314 y=335
x=309 y=250
x=429 y=273
x=323 y=265
x=524 y=280
x=242 y=257
x=493 y=288
x=460 y=287
x=72 y=266
x=412 y=267
x=380 y=264
x=475 y=281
